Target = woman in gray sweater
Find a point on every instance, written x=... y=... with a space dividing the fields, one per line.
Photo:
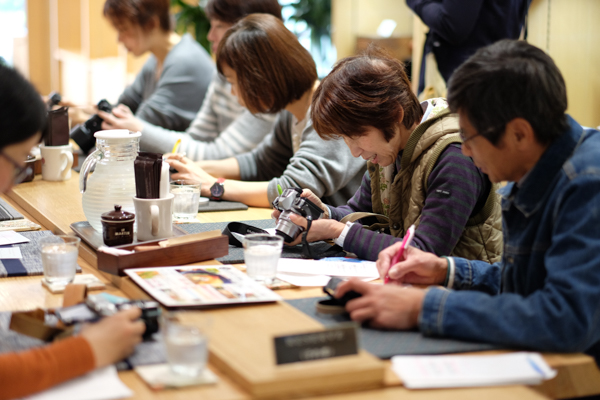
x=170 y=88
x=270 y=71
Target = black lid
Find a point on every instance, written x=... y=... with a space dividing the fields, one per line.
x=117 y=215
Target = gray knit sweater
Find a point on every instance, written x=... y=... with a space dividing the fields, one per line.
x=222 y=128
x=324 y=166
x=173 y=100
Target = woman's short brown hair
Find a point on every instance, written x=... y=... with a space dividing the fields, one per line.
x=231 y=11
x=272 y=67
x=139 y=12
x=370 y=89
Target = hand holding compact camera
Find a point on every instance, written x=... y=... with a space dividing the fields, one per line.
x=83 y=134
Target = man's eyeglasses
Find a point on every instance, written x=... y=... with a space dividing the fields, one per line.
x=486 y=133
x=19 y=172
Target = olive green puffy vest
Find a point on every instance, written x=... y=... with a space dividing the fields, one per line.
x=482 y=237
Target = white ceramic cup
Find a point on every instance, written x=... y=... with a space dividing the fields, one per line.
x=56 y=162
x=153 y=218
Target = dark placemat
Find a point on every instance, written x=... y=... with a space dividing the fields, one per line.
x=145 y=353
x=385 y=344
x=236 y=254
x=222 y=205
x=92 y=237
x=8 y=213
x=31 y=263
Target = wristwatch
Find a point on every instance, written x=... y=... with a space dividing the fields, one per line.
x=217 y=189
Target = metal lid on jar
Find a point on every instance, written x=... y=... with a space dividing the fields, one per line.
x=118 y=215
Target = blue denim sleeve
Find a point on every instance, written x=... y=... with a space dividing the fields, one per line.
x=562 y=315
x=477 y=275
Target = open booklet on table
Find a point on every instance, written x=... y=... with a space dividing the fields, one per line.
x=196 y=286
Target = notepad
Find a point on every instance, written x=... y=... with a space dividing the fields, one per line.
x=424 y=372
x=330 y=266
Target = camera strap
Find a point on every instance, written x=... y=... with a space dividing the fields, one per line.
x=306 y=251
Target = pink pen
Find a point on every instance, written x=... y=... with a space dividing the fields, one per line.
x=410 y=234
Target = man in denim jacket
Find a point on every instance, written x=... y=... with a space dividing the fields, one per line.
x=545 y=293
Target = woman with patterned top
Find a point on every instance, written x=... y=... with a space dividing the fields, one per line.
x=416 y=171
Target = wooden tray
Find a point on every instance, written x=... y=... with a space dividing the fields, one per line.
x=181 y=254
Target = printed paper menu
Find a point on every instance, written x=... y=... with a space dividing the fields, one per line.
x=200 y=286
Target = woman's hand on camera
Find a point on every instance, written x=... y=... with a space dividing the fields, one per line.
x=320 y=229
x=189 y=170
x=114 y=338
x=121 y=118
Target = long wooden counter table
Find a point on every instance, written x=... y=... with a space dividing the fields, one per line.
x=55 y=205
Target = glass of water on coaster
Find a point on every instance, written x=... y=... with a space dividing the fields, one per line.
x=59 y=258
x=186 y=345
x=261 y=255
x=187 y=198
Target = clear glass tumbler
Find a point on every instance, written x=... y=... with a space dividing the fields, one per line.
x=261 y=255
x=186 y=346
x=59 y=258
x=187 y=198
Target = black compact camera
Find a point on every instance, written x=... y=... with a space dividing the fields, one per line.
x=290 y=202
x=54 y=99
x=83 y=134
x=97 y=307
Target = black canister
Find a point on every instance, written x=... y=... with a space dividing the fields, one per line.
x=117 y=227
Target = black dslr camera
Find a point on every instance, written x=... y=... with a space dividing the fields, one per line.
x=290 y=202
x=83 y=134
x=97 y=307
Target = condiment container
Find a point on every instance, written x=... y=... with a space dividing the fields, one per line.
x=117 y=227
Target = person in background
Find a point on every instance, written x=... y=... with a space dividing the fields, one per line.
x=416 y=172
x=458 y=28
x=269 y=72
x=172 y=84
x=544 y=294
x=222 y=128
x=22 y=119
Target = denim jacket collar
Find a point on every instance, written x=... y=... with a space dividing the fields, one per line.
x=529 y=197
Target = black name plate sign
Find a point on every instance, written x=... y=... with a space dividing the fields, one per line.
x=332 y=342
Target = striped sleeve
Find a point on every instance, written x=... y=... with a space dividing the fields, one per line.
x=455 y=187
x=360 y=202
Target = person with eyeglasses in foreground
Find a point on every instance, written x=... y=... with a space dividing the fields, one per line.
x=544 y=294
x=22 y=119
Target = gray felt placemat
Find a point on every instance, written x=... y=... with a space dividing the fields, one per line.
x=385 y=344
x=8 y=213
x=236 y=254
x=222 y=205
x=31 y=263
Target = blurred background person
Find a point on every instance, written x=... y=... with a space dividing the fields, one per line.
x=457 y=28
x=223 y=127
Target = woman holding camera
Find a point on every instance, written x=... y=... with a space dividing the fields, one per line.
x=22 y=119
x=171 y=86
x=269 y=71
x=416 y=171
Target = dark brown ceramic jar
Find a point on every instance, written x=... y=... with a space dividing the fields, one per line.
x=117 y=227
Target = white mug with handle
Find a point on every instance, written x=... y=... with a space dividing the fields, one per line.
x=153 y=218
x=56 y=162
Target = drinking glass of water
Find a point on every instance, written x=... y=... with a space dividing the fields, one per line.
x=186 y=346
x=261 y=254
x=59 y=258
x=187 y=198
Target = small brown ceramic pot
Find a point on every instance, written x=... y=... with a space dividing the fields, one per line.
x=117 y=227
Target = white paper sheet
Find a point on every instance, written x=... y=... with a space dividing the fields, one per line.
x=421 y=372
x=10 y=252
x=332 y=266
x=11 y=237
x=102 y=384
x=304 y=280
